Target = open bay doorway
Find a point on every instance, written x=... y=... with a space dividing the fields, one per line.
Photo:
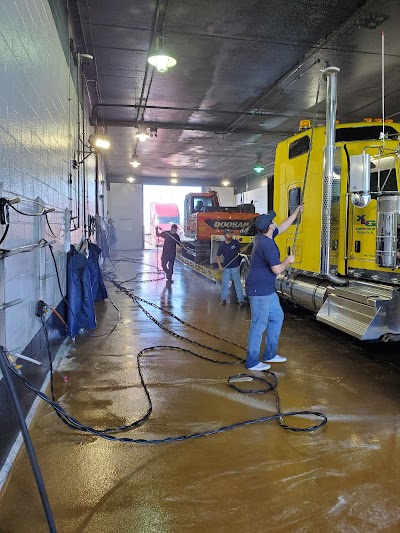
x=163 y=206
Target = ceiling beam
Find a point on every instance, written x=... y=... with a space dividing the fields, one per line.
x=255 y=113
x=153 y=180
x=189 y=127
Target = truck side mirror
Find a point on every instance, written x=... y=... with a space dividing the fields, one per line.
x=359 y=182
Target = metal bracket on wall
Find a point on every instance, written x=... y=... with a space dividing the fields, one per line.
x=5 y=305
x=23 y=249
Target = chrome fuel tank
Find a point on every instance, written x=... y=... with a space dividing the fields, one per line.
x=304 y=291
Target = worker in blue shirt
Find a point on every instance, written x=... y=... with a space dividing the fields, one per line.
x=266 y=310
x=230 y=267
x=171 y=239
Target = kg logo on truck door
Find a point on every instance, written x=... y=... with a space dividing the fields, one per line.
x=228 y=224
x=364 y=225
x=364 y=222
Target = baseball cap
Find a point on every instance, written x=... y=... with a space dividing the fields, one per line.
x=263 y=221
x=227 y=230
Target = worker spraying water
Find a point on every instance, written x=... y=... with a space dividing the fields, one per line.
x=171 y=239
x=266 y=311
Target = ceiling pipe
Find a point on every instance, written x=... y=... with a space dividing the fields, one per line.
x=156 y=180
x=146 y=71
x=189 y=127
x=93 y=118
x=155 y=31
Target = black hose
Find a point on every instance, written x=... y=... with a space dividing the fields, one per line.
x=27 y=439
x=269 y=383
x=4 y=234
x=73 y=423
x=50 y=228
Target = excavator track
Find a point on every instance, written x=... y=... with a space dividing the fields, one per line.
x=197 y=251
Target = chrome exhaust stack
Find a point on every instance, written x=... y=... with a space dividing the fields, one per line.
x=330 y=73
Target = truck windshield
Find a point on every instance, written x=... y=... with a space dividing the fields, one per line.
x=168 y=220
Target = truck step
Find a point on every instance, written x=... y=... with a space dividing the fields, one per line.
x=344 y=321
x=363 y=310
x=365 y=293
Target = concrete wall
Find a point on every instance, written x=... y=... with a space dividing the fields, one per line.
x=38 y=141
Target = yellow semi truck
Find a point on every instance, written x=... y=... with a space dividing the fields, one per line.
x=346 y=244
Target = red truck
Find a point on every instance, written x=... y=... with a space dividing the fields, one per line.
x=163 y=216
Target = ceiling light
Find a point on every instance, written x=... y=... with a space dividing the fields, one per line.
x=98 y=141
x=225 y=182
x=130 y=179
x=135 y=161
x=174 y=174
x=258 y=167
x=159 y=57
x=142 y=134
x=174 y=180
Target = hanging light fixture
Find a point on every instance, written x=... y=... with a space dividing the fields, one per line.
x=142 y=134
x=135 y=161
x=258 y=167
x=159 y=57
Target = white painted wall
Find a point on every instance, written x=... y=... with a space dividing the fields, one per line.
x=259 y=196
x=226 y=195
x=126 y=210
x=38 y=140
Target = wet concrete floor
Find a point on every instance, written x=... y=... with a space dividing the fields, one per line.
x=343 y=478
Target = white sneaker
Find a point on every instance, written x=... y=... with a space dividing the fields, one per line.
x=276 y=359
x=260 y=366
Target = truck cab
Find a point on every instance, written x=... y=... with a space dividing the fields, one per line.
x=350 y=224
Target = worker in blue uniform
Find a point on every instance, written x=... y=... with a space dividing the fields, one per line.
x=266 y=310
x=171 y=239
x=230 y=267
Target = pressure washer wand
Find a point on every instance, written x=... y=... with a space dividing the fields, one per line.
x=176 y=240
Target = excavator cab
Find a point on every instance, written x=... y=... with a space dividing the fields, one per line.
x=198 y=203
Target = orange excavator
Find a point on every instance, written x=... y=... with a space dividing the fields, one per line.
x=204 y=216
